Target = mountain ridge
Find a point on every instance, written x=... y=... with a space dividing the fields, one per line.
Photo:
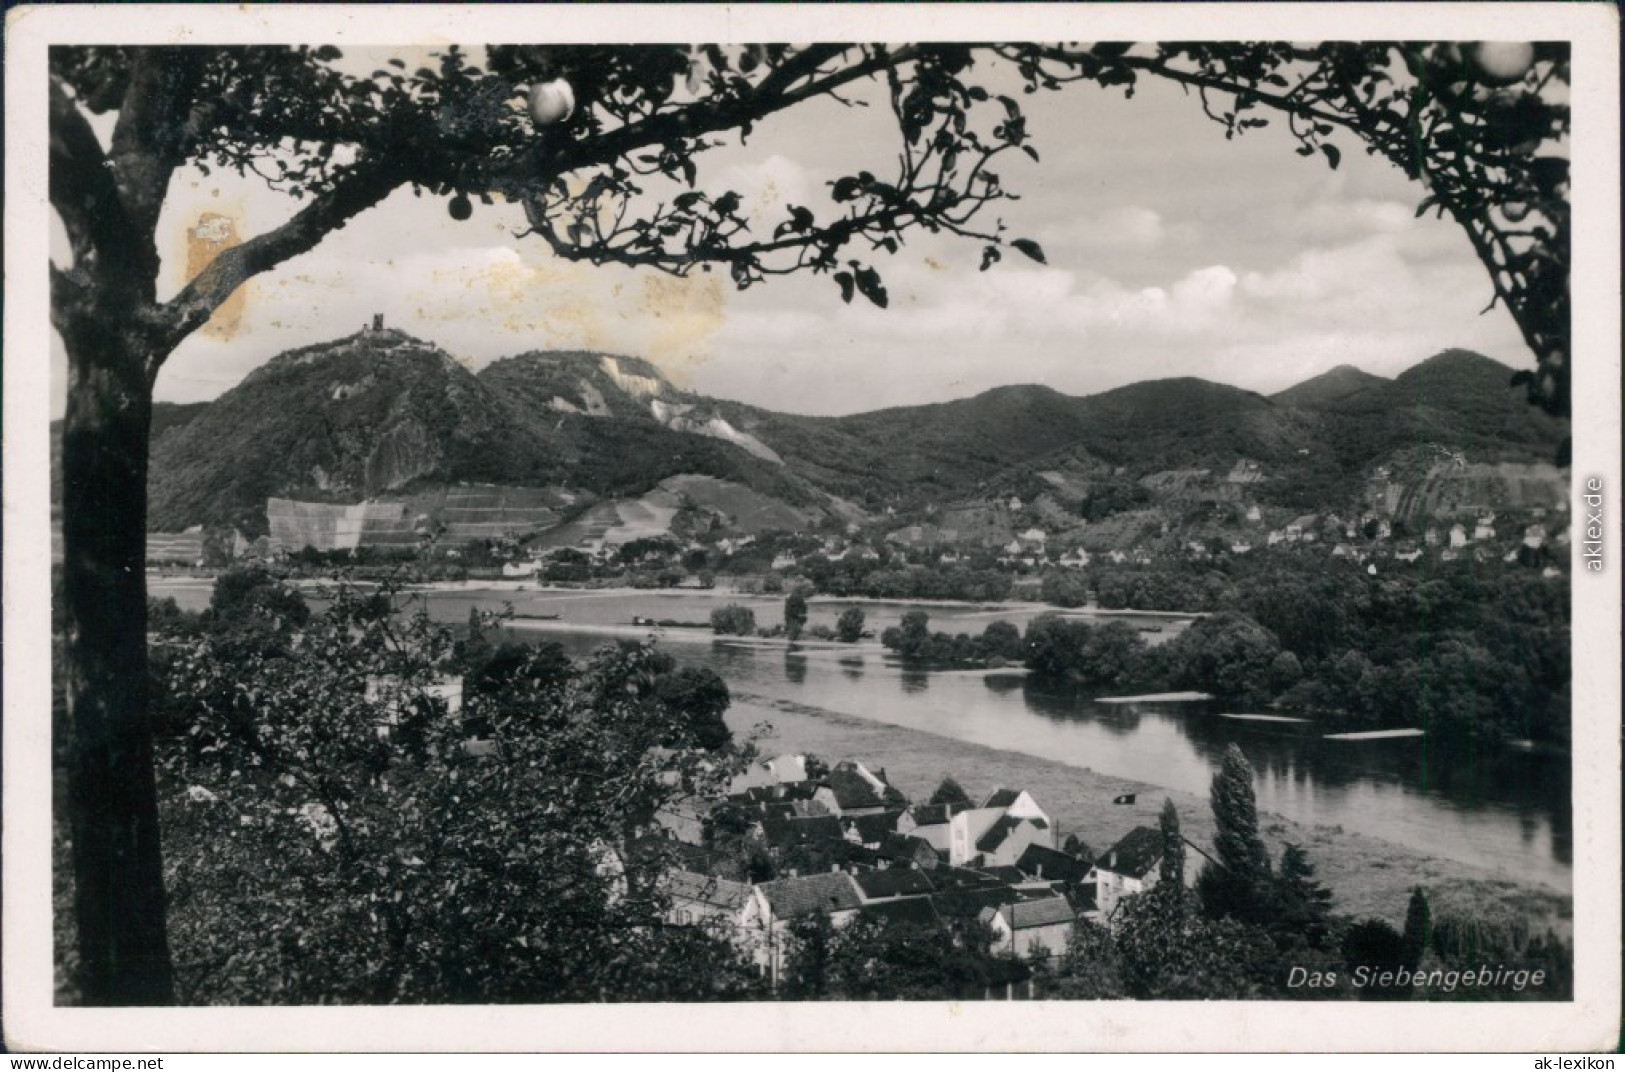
x=383 y=413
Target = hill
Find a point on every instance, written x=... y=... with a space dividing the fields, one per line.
x=380 y=414
x=1328 y=387
x=373 y=413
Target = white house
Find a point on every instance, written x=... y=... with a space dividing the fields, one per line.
x=1458 y=536
x=775 y=771
x=931 y=823
x=715 y=904
x=388 y=690
x=1127 y=868
x=999 y=831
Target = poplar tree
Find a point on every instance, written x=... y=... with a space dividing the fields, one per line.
x=1238 y=882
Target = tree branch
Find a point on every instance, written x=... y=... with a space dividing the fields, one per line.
x=711 y=116
x=149 y=137
x=366 y=184
x=81 y=186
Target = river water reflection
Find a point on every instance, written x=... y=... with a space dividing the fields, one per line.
x=1503 y=811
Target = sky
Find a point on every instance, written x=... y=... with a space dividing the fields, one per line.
x=1171 y=252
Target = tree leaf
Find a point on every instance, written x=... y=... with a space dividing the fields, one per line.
x=871 y=287
x=1334 y=156
x=990 y=257
x=845 y=280
x=1030 y=248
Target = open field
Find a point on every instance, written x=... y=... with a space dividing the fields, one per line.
x=1369 y=876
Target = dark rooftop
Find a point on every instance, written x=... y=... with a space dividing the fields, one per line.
x=1136 y=854
x=935 y=814
x=852 y=790
x=830 y=891
x=1047 y=863
x=994 y=835
x=873 y=828
x=893 y=882
x=1001 y=798
x=913 y=911
x=785 y=832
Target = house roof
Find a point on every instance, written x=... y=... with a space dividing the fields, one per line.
x=829 y=891
x=1001 y=798
x=935 y=814
x=914 y=911
x=954 y=878
x=782 y=791
x=873 y=828
x=904 y=846
x=1137 y=853
x=1010 y=876
x=1040 y=913
x=1048 y=863
x=996 y=834
x=799 y=831
x=892 y=882
x=971 y=902
x=707 y=889
x=853 y=790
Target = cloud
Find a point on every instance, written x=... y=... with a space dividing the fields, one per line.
x=1125 y=227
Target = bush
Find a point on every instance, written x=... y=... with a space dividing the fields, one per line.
x=733 y=620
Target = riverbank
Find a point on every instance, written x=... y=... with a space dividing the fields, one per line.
x=1368 y=876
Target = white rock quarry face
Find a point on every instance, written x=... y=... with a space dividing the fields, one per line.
x=632 y=384
x=673 y=417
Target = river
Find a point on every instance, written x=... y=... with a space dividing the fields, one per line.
x=1503 y=811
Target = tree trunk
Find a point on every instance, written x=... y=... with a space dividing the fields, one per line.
x=112 y=795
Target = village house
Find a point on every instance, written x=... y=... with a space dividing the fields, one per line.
x=1127 y=868
x=904 y=850
x=891 y=884
x=1254 y=513
x=852 y=789
x=930 y=823
x=870 y=830
x=1484 y=529
x=775 y=771
x=714 y=904
x=389 y=691
x=999 y=831
x=774 y=906
x=1458 y=536
x=684 y=820
x=795 y=831
x=1028 y=928
x=1076 y=558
